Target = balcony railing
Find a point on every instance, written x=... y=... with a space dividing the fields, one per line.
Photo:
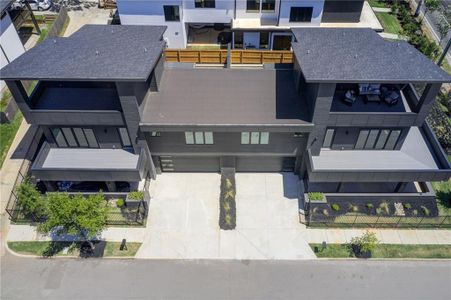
x=237 y=56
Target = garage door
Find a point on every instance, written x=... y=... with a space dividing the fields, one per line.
x=189 y=164
x=265 y=164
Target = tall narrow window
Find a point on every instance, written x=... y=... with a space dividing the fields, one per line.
x=264 y=138
x=209 y=138
x=171 y=13
x=80 y=136
x=392 y=139
x=252 y=5
x=199 y=137
x=189 y=138
x=301 y=14
x=69 y=137
x=268 y=5
x=255 y=138
x=382 y=139
x=372 y=137
x=264 y=40
x=59 y=137
x=328 y=138
x=91 y=138
x=124 y=137
x=238 y=40
x=245 y=136
x=363 y=135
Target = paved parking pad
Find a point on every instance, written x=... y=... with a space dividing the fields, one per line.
x=184 y=212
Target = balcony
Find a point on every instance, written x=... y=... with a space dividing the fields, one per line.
x=72 y=103
x=419 y=159
x=80 y=164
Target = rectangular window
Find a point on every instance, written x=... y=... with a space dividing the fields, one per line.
x=80 y=136
x=328 y=138
x=171 y=13
x=199 y=137
x=255 y=138
x=363 y=135
x=268 y=5
x=245 y=138
x=264 y=40
x=59 y=137
x=264 y=138
x=301 y=14
x=69 y=137
x=204 y=3
x=383 y=136
x=372 y=137
x=189 y=138
x=252 y=5
x=91 y=138
x=209 y=138
x=124 y=137
x=392 y=139
x=155 y=133
x=238 y=40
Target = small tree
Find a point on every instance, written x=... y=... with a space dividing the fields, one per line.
x=30 y=201
x=365 y=243
x=77 y=215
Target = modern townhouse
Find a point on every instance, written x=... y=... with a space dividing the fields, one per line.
x=247 y=24
x=348 y=113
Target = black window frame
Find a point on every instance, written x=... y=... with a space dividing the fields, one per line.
x=256 y=3
x=301 y=14
x=205 y=3
x=268 y=3
x=170 y=14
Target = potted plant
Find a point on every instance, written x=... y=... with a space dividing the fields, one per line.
x=135 y=196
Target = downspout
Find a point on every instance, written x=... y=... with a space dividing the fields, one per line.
x=278 y=15
x=234 y=10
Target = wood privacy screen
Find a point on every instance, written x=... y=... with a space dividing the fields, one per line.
x=238 y=56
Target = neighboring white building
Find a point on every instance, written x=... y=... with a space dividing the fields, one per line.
x=10 y=44
x=248 y=24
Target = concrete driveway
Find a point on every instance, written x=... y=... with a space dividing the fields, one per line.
x=184 y=212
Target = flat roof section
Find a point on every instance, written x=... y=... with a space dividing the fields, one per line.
x=95 y=52
x=360 y=55
x=226 y=97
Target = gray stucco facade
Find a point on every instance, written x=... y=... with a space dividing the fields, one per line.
x=184 y=119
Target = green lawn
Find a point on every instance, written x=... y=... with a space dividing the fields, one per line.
x=377 y=3
x=388 y=251
x=389 y=22
x=56 y=248
x=7 y=134
x=443 y=192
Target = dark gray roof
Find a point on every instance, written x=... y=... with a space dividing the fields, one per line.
x=95 y=52
x=360 y=55
x=4 y=5
x=226 y=97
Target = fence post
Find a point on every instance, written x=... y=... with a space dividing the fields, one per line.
x=444 y=218
x=418 y=225
x=355 y=219
x=399 y=220
x=377 y=221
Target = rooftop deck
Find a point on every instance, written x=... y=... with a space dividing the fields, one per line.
x=226 y=97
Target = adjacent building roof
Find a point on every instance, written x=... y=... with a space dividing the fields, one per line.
x=360 y=55
x=226 y=97
x=95 y=52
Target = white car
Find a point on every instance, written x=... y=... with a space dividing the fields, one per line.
x=34 y=4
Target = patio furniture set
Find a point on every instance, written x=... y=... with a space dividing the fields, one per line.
x=373 y=93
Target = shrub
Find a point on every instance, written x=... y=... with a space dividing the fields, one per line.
x=353 y=208
x=136 y=195
x=379 y=211
x=385 y=208
x=407 y=206
x=325 y=212
x=316 y=196
x=425 y=210
x=369 y=205
x=227 y=205
x=415 y=212
x=120 y=203
x=335 y=207
x=365 y=243
x=30 y=201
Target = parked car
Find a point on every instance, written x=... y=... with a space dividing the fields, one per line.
x=34 y=4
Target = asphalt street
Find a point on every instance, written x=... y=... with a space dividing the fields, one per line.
x=30 y=278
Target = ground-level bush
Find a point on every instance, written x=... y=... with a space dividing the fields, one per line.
x=32 y=204
x=227 y=205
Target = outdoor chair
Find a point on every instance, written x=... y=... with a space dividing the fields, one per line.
x=350 y=97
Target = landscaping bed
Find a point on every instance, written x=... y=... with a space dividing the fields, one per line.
x=52 y=248
x=385 y=251
x=419 y=207
x=227 y=204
